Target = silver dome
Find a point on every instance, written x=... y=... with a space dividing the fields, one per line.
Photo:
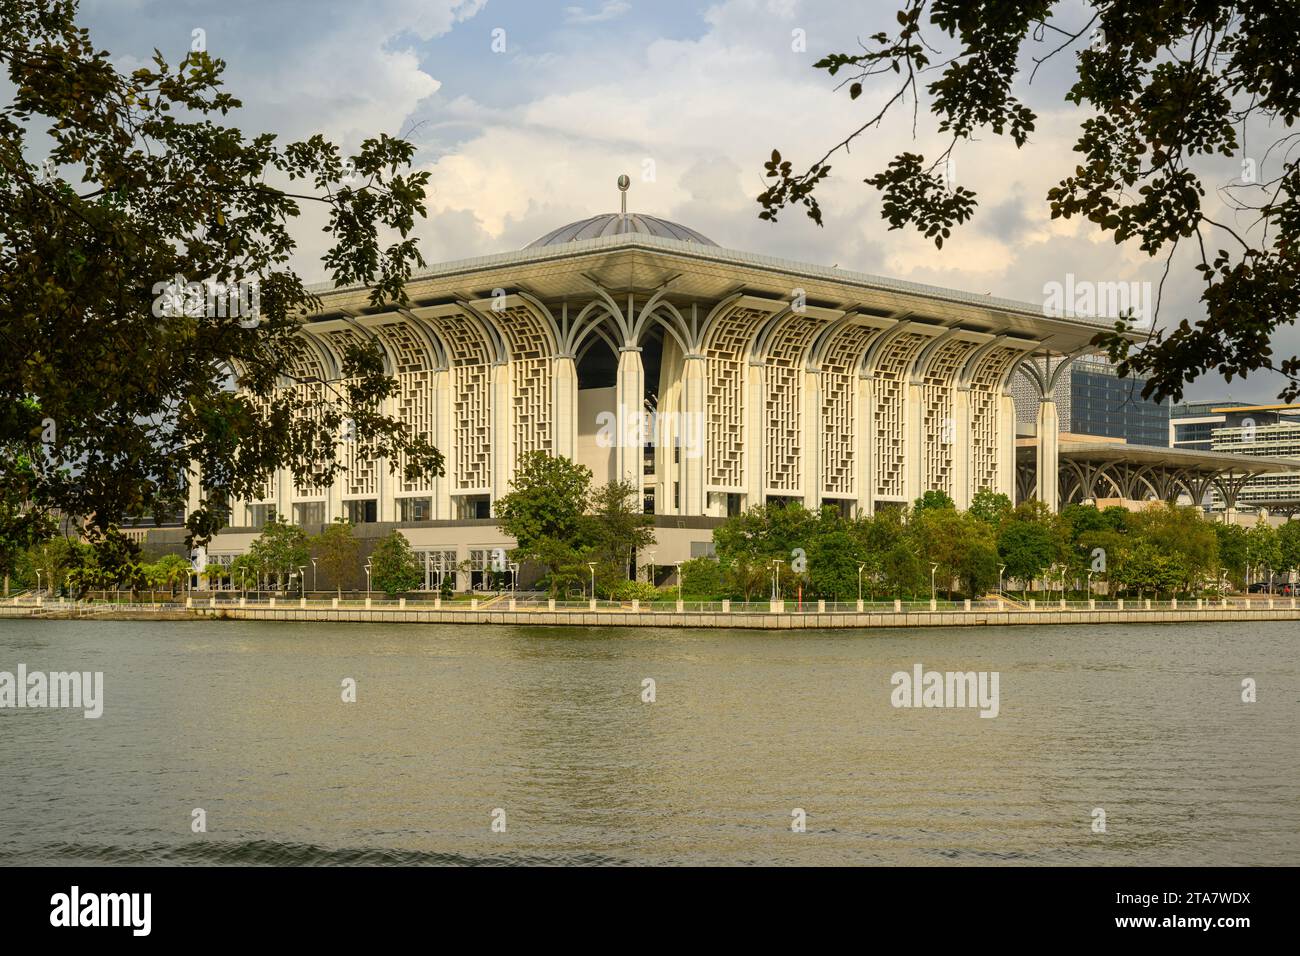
x=613 y=224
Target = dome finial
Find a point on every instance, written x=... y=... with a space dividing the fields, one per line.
x=624 y=182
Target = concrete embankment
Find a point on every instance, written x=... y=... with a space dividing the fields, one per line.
x=613 y=617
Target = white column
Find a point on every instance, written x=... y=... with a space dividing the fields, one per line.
x=959 y=446
x=564 y=406
x=1049 y=461
x=811 y=465
x=629 y=400
x=1006 y=443
x=755 y=436
x=913 y=442
x=442 y=432
x=503 y=464
x=866 y=427
x=693 y=430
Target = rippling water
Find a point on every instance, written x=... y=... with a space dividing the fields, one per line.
x=245 y=720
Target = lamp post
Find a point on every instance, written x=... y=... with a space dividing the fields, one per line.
x=860 y=567
x=242 y=592
x=1001 y=570
x=679 y=581
x=1090 y=584
x=776 y=577
x=302 y=580
x=313 y=574
x=38 y=581
x=592 y=566
x=933 y=568
x=514 y=577
x=652 y=565
x=368 y=567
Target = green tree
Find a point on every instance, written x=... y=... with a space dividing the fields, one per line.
x=171 y=570
x=1232 y=550
x=1027 y=546
x=701 y=578
x=336 y=549
x=933 y=499
x=618 y=527
x=991 y=507
x=1288 y=542
x=116 y=349
x=395 y=569
x=281 y=549
x=545 y=511
x=1263 y=550
x=833 y=560
x=1165 y=87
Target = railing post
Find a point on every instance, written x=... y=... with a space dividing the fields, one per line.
x=1173 y=604
x=302 y=602
x=473 y=604
x=1033 y=604
x=189 y=602
x=512 y=604
x=859 y=605
x=550 y=604
x=272 y=600
x=681 y=606
x=1092 y=604
x=776 y=607
x=821 y=607
x=242 y=600
x=1200 y=603
x=367 y=602
x=437 y=603
x=401 y=603
x=1119 y=604
x=965 y=604
x=591 y=605
x=898 y=605
x=726 y=606
x=334 y=603
x=1146 y=604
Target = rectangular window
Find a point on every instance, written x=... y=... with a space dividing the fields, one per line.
x=260 y=515
x=414 y=509
x=307 y=513
x=364 y=511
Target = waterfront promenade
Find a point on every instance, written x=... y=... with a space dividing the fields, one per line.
x=767 y=614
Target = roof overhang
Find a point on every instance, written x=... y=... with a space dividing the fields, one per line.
x=1215 y=462
x=638 y=263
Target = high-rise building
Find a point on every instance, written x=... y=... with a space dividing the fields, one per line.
x=1092 y=400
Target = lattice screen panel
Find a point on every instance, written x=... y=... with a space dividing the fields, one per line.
x=783 y=398
x=471 y=453
x=839 y=431
x=531 y=346
x=938 y=436
x=985 y=419
x=726 y=353
x=890 y=399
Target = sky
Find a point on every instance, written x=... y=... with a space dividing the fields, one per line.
x=525 y=113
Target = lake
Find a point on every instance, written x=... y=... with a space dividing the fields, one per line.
x=547 y=727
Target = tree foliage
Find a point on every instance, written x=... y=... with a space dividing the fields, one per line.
x=118 y=191
x=1163 y=87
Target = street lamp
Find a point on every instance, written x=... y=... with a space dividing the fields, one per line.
x=1090 y=584
x=860 y=567
x=242 y=592
x=679 y=580
x=38 y=581
x=592 y=566
x=652 y=565
x=368 y=566
x=933 y=569
x=776 y=577
x=313 y=574
x=1001 y=570
x=302 y=580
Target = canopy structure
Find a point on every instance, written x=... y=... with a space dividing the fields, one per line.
x=1092 y=470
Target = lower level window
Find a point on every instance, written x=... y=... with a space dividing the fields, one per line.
x=364 y=511
x=414 y=509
